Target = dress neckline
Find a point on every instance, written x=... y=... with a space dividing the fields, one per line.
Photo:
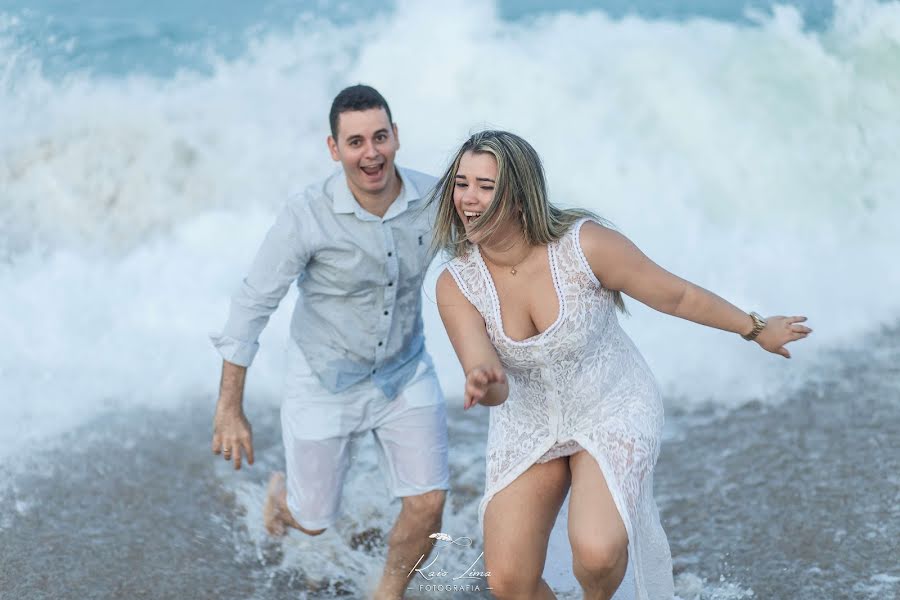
x=498 y=313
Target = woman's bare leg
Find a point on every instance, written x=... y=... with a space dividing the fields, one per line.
x=517 y=525
x=596 y=531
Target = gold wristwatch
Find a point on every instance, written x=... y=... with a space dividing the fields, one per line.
x=758 y=324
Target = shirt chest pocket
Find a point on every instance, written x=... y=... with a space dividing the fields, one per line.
x=345 y=269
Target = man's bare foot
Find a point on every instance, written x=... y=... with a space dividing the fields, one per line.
x=276 y=504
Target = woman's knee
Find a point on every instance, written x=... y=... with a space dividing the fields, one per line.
x=598 y=556
x=506 y=580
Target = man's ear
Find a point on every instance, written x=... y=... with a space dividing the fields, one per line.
x=396 y=135
x=333 y=148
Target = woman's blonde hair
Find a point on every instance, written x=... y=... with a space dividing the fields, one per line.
x=520 y=193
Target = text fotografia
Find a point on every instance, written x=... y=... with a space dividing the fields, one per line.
x=438 y=579
x=441 y=587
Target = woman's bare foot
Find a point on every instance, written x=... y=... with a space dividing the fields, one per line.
x=276 y=504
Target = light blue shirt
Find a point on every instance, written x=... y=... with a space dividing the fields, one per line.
x=360 y=276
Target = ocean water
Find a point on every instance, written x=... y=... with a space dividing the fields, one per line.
x=751 y=147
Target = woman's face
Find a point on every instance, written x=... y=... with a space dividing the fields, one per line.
x=473 y=188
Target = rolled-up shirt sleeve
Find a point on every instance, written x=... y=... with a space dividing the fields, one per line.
x=278 y=263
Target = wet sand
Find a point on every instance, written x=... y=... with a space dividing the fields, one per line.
x=798 y=500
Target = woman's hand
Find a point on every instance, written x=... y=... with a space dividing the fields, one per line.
x=478 y=382
x=781 y=330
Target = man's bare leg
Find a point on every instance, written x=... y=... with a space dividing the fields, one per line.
x=276 y=515
x=409 y=541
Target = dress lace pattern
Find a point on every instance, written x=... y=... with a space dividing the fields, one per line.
x=580 y=384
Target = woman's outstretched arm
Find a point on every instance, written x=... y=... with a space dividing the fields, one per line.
x=621 y=266
x=485 y=377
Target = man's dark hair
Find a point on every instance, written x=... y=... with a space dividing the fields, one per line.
x=356 y=97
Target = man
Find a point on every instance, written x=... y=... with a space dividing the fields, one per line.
x=358 y=246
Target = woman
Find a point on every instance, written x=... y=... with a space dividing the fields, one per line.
x=529 y=301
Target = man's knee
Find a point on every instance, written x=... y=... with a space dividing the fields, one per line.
x=427 y=505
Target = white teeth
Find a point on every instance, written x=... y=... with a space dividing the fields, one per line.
x=471 y=214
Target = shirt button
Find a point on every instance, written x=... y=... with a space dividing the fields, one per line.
x=373 y=371
x=381 y=343
x=390 y=253
x=385 y=313
x=390 y=284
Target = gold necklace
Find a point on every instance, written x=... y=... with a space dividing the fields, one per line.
x=512 y=270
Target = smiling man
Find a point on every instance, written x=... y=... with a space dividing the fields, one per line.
x=357 y=245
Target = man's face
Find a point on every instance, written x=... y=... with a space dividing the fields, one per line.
x=366 y=144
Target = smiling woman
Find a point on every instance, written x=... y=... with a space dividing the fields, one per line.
x=573 y=404
x=545 y=437
x=474 y=204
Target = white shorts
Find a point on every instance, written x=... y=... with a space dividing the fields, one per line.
x=317 y=425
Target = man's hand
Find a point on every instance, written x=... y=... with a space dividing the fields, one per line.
x=232 y=435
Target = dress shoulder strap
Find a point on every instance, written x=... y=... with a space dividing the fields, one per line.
x=572 y=256
x=470 y=280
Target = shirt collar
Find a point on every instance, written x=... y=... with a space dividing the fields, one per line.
x=343 y=200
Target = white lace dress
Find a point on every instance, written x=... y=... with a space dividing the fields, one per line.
x=580 y=384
